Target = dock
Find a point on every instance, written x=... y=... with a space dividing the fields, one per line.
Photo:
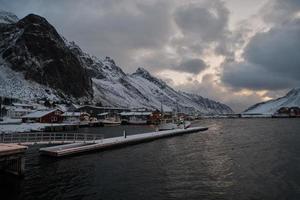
x=61 y=127
x=103 y=144
x=12 y=158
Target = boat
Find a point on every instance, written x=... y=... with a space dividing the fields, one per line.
x=184 y=124
x=107 y=119
x=136 y=121
x=111 y=121
x=107 y=122
x=171 y=125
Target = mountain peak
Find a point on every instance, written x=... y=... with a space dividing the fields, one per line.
x=146 y=75
x=33 y=47
x=109 y=60
x=33 y=18
x=142 y=71
x=8 y=17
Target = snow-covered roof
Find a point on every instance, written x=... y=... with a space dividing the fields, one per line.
x=109 y=108
x=103 y=114
x=135 y=113
x=76 y=106
x=22 y=105
x=39 y=113
x=62 y=107
x=71 y=114
x=21 y=110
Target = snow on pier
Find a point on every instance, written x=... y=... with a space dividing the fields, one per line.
x=71 y=149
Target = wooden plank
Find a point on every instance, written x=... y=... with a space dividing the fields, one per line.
x=10 y=149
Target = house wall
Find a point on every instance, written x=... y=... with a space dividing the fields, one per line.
x=52 y=118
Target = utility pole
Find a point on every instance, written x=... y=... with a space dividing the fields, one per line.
x=0 y=107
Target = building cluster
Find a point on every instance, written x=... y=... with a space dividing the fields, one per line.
x=288 y=112
x=283 y=112
x=72 y=114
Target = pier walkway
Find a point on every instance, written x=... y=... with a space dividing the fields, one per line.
x=71 y=149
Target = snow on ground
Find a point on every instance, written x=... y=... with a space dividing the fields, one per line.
x=10 y=121
x=24 y=127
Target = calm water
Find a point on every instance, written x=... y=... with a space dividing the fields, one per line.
x=235 y=159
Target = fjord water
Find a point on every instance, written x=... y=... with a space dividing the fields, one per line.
x=234 y=159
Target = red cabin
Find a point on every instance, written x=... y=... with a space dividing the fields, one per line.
x=48 y=116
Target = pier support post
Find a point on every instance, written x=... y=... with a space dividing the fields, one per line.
x=12 y=159
x=13 y=164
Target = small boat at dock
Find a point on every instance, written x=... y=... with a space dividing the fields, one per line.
x=171 y=125
x=110 y=122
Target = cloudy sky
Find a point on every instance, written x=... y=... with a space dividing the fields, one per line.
x=233 y=51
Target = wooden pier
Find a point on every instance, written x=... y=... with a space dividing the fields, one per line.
x=71 y=149
x=12 y=158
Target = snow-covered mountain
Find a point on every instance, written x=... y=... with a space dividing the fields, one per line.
x=291 y=99
x=36 y=62
x=112 y=87
x=7 y=17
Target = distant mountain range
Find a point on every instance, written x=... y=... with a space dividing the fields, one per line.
x=36 y=62
x=291 y=99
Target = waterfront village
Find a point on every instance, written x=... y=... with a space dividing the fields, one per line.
x=45 y=115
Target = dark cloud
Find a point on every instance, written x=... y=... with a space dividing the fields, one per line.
x=278 y=50
x=246 y=75
x=193 y=66
x=204 y=26
x=278 y=11
x=272 y=60
x=207 y=24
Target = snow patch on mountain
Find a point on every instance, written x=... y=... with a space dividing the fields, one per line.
x=8 y=17
x=13 y=84
x=291 y=99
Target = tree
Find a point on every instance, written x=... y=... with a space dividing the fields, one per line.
x=47 y=103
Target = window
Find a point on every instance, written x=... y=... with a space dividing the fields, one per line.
x=57 y=112
x=53 y=119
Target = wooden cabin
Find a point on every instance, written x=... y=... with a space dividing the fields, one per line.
x=47 y=116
